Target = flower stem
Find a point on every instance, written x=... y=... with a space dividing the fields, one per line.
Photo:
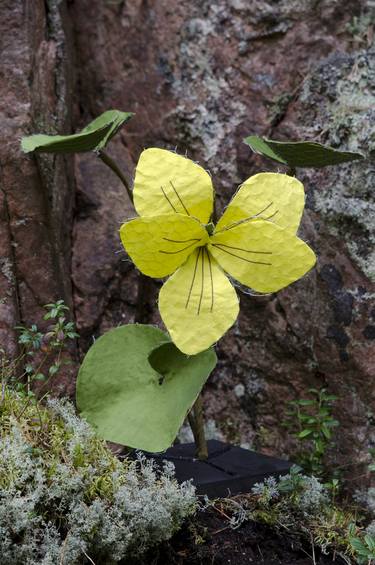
x=113 y=165
x=196 y=422
x=195 y=416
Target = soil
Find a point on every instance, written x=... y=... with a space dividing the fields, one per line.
x=211 y=541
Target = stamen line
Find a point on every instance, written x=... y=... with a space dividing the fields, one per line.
x=165 y=195
x=212 y=280
x=179 y=251
x=235 y=224
x=245 y=250
x=239 y=257
x=179 y=197
x=181 y=240
x=193 y=280
x=202 y=284
x=271 y=216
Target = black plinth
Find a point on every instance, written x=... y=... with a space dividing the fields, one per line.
x=228 y=470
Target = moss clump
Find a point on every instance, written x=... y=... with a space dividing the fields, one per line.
x=64 y=497
x=305 y=509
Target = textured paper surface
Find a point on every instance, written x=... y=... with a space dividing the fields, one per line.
x=166 y=183
x=198 y=304
x=270 y=196
x=94 y=136
x=254 y=242
x=158 y=245
x=261 y=255
x=300 y=153
x=126 y=400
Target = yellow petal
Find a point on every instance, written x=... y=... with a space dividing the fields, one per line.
x=166 y=182
x=262 y=255
x=276 y=197
x=158 y=245
x=198 y=303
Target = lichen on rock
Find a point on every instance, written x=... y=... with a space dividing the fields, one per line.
x=338 y=103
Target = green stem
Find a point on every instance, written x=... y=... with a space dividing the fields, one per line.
x=196 y=422
x=214 y=216
x=107 y=160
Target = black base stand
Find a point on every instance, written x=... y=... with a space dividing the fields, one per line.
x=228 y=470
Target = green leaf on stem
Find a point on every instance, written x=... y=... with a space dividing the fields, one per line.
x=93 y=137
x=300 y=153
x=136 y=388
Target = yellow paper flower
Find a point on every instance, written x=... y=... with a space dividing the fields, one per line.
x=254 y=242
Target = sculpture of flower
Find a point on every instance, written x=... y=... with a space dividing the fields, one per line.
x=254 y=242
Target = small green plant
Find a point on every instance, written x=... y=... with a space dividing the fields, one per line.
x=40 y=356
x=371 y=466
x=364 y=547
x=300 y=506
x=333 y=486
x=314 y=423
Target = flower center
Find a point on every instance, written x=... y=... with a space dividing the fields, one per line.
x=210 y=228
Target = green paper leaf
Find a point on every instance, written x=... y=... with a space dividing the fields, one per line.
x=93 y=137
x=300 y=153
x=126 y=399
x=166 y=358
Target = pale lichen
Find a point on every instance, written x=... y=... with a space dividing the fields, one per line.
x=342 y=88
x=64 y=496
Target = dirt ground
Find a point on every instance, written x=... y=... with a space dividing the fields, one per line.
x=210 y=541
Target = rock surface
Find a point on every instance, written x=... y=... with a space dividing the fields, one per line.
x=199 y=76
x=37 y=195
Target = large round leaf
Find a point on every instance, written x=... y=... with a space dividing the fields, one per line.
x=126 y=399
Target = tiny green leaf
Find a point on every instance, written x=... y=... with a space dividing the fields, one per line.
x=93 y=137
x=53 y=369
x=300 y=153
x=39 y=377
x=304 y=433
x=306 y=402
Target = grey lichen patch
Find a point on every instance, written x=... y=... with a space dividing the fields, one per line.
x=339 y=99
x=361 y=27
x=6 y=269
x=208 y=113
x=255 y=383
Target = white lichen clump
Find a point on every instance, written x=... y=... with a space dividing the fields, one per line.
x=64 y=496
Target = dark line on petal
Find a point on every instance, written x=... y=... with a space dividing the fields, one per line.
x=181 y=240
x=194 y=274
x=163 y=191
x=212 y=280
x=179 y=197
x=271 y=216
x=266 y=208
x=239 y=257
x=235 y=224
x=202 y=284
x=246 y=250
x=179 y=251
